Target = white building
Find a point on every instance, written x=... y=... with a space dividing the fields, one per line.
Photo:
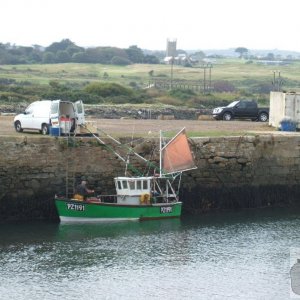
x=284 y=106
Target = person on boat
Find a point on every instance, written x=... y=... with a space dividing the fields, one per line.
x=83 y=190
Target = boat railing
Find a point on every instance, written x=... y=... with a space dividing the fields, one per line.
x=164 y=198
x=107 y=198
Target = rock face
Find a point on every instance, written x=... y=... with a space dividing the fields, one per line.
x=233 y=172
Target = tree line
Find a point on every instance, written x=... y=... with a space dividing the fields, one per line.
x=66 y=51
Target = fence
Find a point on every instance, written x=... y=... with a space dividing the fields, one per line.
x=200 y=86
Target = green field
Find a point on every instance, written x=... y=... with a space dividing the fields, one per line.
x=249 y=79
x=235 y=70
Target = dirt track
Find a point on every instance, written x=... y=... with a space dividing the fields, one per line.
x=120 y=127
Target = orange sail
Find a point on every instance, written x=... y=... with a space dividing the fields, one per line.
x=176 y=155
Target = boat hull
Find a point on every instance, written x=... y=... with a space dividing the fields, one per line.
x=77 y=211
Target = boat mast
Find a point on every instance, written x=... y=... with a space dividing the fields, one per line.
x=129 y=149
x=160 y=155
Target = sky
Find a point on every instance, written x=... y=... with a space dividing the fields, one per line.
x=195 y=24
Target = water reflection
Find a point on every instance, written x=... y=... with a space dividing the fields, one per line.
x=116 y=229
x=237 y=255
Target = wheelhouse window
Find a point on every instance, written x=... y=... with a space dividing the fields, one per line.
x=131 y=184
x=124 y=183
x=119 y=185
x=145 y=185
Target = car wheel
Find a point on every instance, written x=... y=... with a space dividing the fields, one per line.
x=227 y=116
x=263 y=117
x=18 y=126
x=45 y=129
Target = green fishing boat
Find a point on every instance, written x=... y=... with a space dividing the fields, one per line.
x=137 y=198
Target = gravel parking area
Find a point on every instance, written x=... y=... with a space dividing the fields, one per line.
x=120 y=127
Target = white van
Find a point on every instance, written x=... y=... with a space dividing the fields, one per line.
x=40 y=115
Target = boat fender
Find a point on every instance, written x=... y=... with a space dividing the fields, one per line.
x=144 y=198
x=78 y=197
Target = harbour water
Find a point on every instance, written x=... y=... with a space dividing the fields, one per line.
x=237 y=255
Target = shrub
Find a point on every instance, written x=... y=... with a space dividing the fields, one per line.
x=133 y=84
x=121 y=61
x=169 y=101
x=124 y=99
x=182 y=94
x=263 y=88
x=13 y=97
x=7 y=81
x=107 y=89
x=223 y=86
x=161 y=75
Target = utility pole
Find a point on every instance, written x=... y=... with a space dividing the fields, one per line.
x=206 y=87
x=210 y=66
x=277 y=81
x=172 y=64
x=204 y=79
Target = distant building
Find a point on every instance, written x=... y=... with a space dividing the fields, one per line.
x=173 y=57
x=272 y=62
x=171 y=48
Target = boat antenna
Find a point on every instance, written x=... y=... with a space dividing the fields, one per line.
x=126 y=165
x=160 y=154
x=128 y=153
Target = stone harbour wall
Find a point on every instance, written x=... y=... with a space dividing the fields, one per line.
x=243 y=172
x=232 y=173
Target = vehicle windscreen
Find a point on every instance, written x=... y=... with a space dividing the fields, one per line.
x=232 y=104
x=29 y=110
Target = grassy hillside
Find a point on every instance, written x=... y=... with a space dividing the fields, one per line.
x=248 y=79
